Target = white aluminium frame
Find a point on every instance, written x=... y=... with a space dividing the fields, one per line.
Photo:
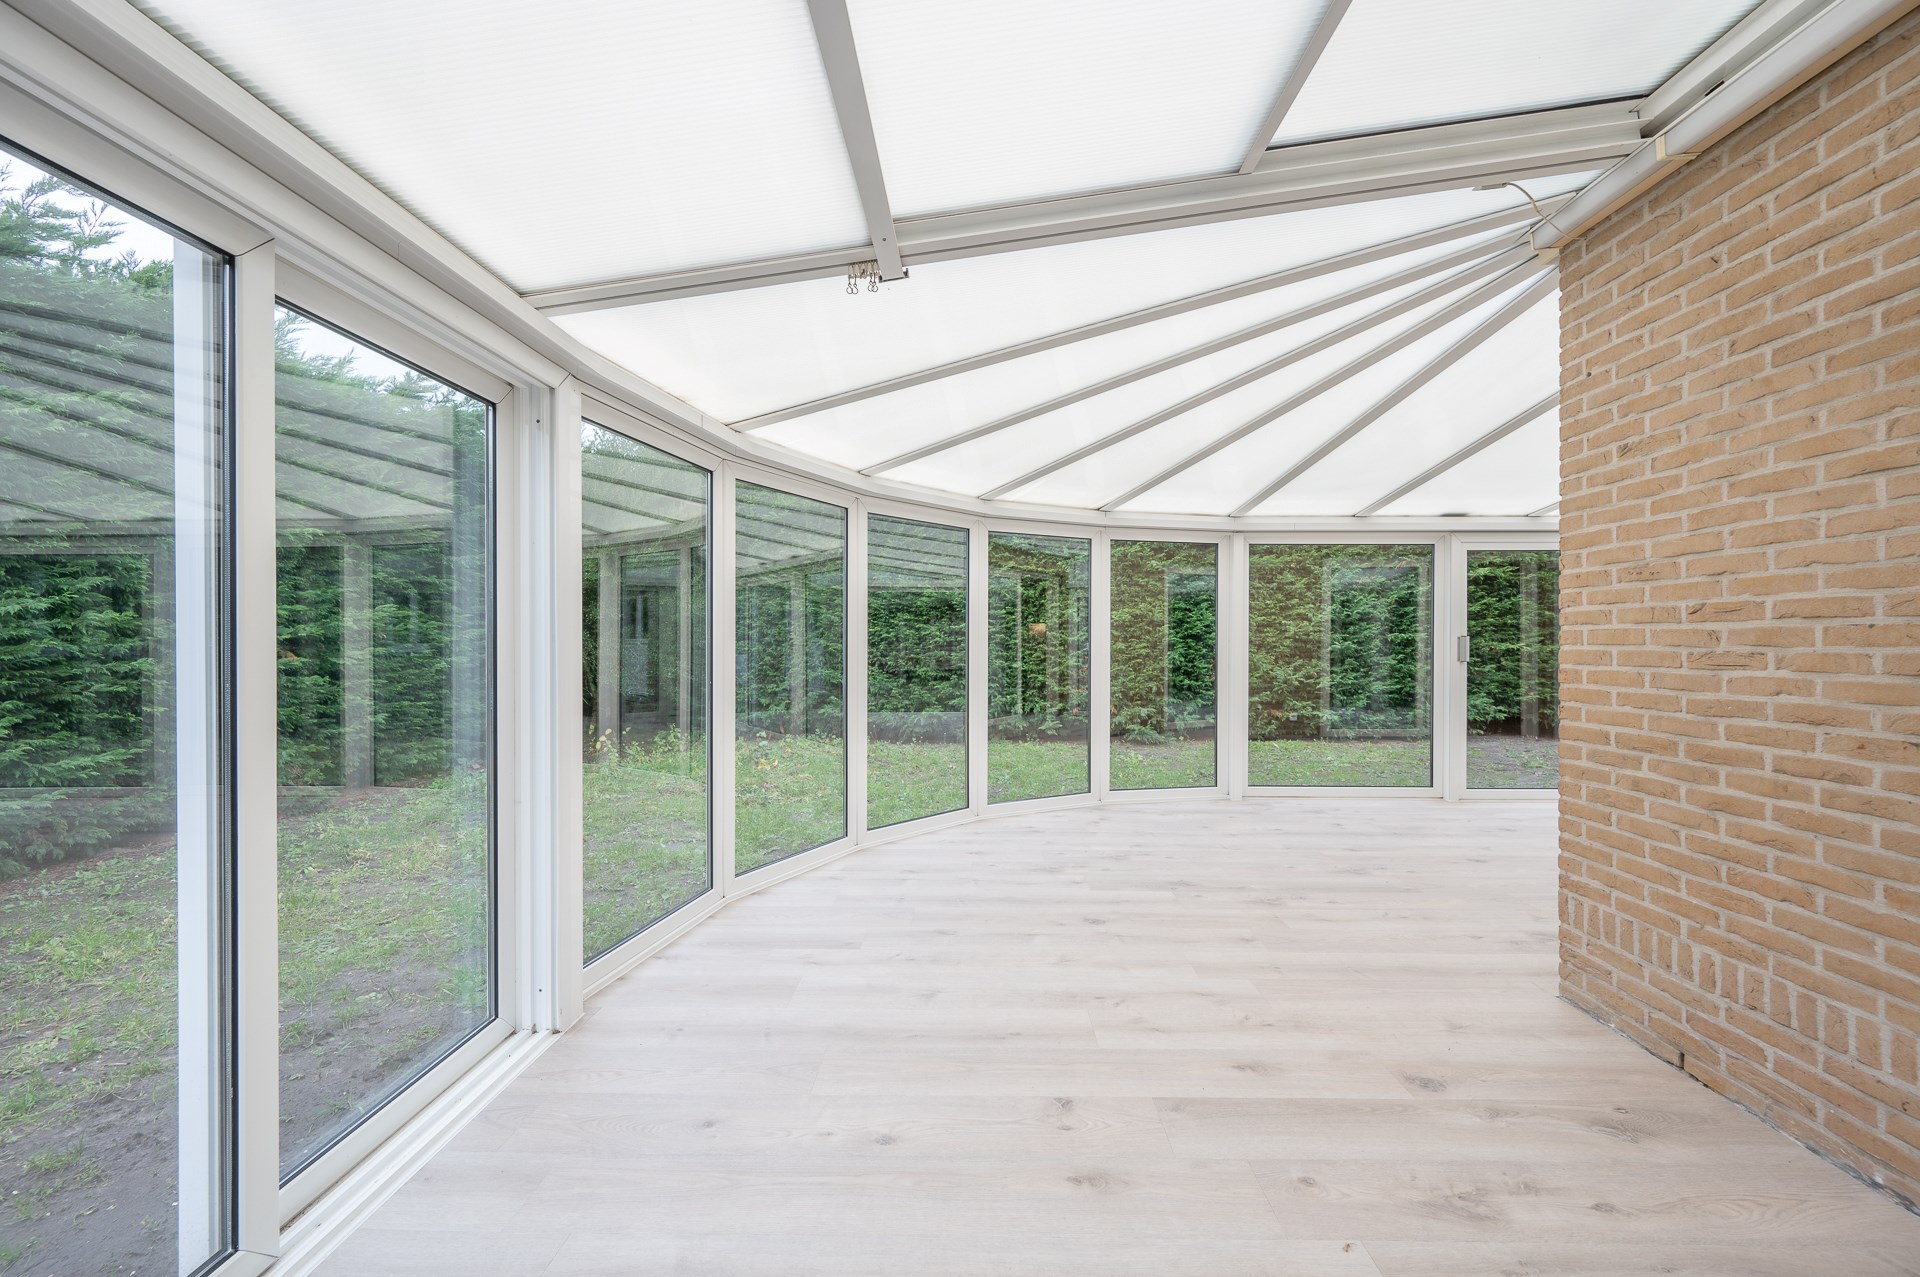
x=1464 y=544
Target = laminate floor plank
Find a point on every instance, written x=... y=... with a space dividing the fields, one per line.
x=1290 y=1038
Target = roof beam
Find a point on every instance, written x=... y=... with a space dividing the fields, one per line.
x=1296 y=80
x=1540 y=288
x=1311 y=175
x=1452 y=283
x=1532 y=412
x=1548 y=508
x=1165 y=310
x=1352 y=368
x=833 y=32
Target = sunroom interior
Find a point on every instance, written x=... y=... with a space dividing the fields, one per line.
x=881 y=636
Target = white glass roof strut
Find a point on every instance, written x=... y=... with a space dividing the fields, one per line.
x=1296 y=80
x=1451 y=284
x=1540 y=288
x=1531 y=413
x=1426 y=327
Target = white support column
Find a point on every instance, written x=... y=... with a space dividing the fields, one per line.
x=1450 y=668
x=194 y=729
x=1235 y=612
x=856 y=675
x=725 y=752
x=256 y=747
x=556 y=533
x=977 y=706
x=1100 y=680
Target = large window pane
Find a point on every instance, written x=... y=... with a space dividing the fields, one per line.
x=386 y=899
x=1164 y=626
x=1039 y=654
x=790 y=672
x=1513 y=663
x=1340 y=665
x=916 y=670
x=114 y=943
x=644 y=694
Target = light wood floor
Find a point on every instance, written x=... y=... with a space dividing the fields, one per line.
x=1310 y=1039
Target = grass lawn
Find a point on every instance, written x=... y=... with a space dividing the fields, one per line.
x=791 y=797
x=909 y=781
x=1019 y=769
x=1497 y=761
x=645 y=831
x=1377 y=763
x=1170 y=764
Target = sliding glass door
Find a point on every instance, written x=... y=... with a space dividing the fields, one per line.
x=1512 y=655
x=116 y=1126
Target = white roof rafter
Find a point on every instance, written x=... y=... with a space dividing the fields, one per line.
x=1296 y=80
x=1464 y=229
x=1481 y=269
x=1531 y=413
x=1426 y=327
x=1539 y=289
x=833 y=31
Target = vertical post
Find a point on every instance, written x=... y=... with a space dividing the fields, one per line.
x=256 y=745
x=1529 y=637
x=1100 y=677
x=1236 y=608
x=721 y=577
x=977 y=705
x=683 y=648
x=195 y=732
x=561 y=442
x=608 y=731
x=1450 y=686
x=855 y=697
x=356 y=663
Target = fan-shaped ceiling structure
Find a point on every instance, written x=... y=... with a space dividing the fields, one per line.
x=1231 y=257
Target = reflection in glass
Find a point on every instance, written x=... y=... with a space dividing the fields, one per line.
x=645 y=676
x=114 y=959
x=916 y=670
x=386 y=957
x=790 y=630
x=1340 y=665
x=1513 y=631
x=1039 y=654
x=1164 y=638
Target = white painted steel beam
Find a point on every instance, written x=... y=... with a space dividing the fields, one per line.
x=1531 y=413
x=1296 y=80
x=833 y=31
x=1542 y=287
x=1433 y=323
x=1311 y=175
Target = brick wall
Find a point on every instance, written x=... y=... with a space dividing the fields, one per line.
x=1740 y=847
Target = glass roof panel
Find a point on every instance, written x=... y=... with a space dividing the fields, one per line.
x=1404 y=63
x=1001 y=101
x=738 y=354
x=1514 y=368
x=869 y=431
x=1518 y=475
x=693 y=133
x=1223 y=481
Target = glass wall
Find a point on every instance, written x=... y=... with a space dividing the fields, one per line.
x=790 y=675
x=114 y=797
x=1513 y=665
x=645 y=820
x=386 y=879
x=1340 y=665
x=1039 y=656
x=916 y=670
x=1163 y=665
